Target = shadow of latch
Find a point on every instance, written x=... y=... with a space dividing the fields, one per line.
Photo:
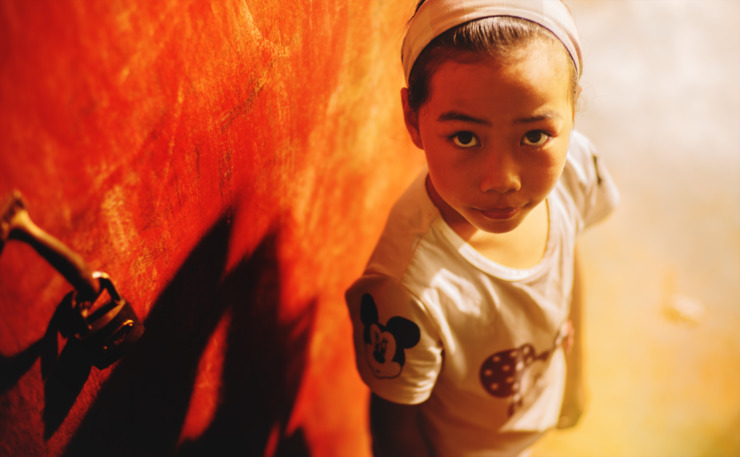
x=94 y=313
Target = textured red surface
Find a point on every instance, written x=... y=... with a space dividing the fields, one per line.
x=230 y=164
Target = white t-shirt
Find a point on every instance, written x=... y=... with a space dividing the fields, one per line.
x=436 y=322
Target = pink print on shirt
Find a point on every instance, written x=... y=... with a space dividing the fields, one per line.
x=515 y=373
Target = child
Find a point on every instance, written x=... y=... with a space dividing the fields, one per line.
x=461 y=317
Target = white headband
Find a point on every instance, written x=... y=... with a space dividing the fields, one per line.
x=437 y=16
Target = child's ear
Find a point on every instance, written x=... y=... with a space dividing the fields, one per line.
x=411 y=118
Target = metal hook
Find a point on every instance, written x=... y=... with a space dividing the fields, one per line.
x=15 y=223
x=108 y=330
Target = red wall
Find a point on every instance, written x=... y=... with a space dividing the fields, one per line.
x=230 y=164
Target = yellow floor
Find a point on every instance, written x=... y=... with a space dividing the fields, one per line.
x=661 y=101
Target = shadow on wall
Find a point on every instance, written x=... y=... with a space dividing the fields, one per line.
x=142 y=407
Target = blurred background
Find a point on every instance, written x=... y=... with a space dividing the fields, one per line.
x=661 y=102
x=231 y=164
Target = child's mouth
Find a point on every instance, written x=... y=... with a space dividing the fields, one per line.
x=500 y=214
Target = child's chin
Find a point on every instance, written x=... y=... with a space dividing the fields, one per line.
x=496 y=226
x=498 y=230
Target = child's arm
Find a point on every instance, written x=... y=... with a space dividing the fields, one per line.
x=574 y=400
x=395 y=429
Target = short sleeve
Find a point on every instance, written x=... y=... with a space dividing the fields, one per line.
x=588 y=181
x=397 y=350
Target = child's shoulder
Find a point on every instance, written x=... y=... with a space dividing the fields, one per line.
x=587 y=181
x=409 y=226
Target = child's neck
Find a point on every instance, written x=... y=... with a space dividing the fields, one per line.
x=520 y=248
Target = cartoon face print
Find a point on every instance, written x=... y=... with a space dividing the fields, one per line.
x=513 y=373
x=385 y=345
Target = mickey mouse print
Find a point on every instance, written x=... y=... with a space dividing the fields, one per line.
x=385 y=345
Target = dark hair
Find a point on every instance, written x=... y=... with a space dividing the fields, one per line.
x=495 y=36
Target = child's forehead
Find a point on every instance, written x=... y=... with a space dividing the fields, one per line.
x=513 y=85
x=531 y=65
x=538 y=50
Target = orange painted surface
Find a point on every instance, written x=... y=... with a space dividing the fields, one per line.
x=230 y=164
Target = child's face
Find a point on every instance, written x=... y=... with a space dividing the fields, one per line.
x=495 y=133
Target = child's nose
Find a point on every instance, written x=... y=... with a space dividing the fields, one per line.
x=499 y=173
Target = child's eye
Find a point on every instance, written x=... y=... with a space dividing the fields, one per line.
x=535 y=138
x=465 y=139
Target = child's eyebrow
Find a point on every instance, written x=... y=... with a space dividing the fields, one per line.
x=458 y=116
x=544 y=116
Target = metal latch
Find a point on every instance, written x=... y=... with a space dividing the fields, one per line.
x=94 y=313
